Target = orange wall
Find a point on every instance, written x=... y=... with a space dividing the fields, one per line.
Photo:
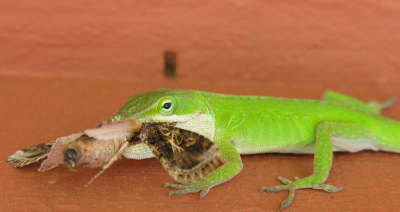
x=312 y=43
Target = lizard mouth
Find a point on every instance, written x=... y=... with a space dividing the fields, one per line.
x=185 y=155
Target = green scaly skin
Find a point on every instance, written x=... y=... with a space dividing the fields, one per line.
x=252 y=124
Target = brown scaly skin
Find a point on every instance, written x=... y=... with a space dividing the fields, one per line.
x=187 y=156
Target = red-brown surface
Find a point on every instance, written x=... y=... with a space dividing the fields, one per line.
x=67 y=65
x=39 y=109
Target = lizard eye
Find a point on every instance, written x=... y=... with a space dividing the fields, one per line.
x=167 y=106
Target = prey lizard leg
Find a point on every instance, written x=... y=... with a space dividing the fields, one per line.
x=115 y=158
x=323 y=157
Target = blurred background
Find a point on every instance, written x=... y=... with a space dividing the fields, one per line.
x=328 y=44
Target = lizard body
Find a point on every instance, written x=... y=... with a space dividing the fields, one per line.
x=253 y=124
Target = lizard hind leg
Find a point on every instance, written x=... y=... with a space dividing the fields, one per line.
x=370 y=107
x=325 y=131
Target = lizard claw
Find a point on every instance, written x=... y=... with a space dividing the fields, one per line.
x=204 y=192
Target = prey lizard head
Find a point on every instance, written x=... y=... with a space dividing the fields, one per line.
x=188 y=109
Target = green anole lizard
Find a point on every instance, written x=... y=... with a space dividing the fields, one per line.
x=253 y=124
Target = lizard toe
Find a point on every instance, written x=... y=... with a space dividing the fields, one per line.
x=274 y=189
x=327 y=188
x=187 y=188
x=174 y=186
x=285 y=181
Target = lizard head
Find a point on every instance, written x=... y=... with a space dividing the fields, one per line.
x=188 y=109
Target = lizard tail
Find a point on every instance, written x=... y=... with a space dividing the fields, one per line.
x=30 y=155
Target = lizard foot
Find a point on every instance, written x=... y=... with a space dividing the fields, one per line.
x=308 y=182
x=188 y=188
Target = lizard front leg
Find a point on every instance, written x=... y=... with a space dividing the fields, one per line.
x=232 y=165
x=326 y=133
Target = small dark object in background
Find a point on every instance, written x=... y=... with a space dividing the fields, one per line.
x=170 y=64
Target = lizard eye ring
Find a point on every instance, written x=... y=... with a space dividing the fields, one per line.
x=167 y=106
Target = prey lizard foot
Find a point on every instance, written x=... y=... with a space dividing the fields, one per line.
x=308 y=182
